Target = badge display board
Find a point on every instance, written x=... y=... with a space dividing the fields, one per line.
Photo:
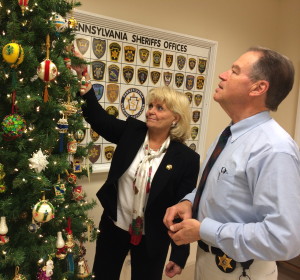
x=127 y=60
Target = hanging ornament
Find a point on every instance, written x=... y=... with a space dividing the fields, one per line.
x=60 y=190
x=60 y=23
x=83 y=270
x=78 y=193
x=33 y=227
x=63 y=126
x=71 y=178
x=61 y=251
x=2 y=175
x=18 y=276
x=43 y=211
x=13 y=126
x=13 y=54
x=47 y=70
x=3 y=231
x=23 y=4
x=46 y=271
x=70 y=245
x=70 y=108
x=77 y=165
x=79 y=135
x=72 y=23
x=38 y=162
x=72 y=145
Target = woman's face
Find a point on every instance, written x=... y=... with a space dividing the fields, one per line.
x=159 y=117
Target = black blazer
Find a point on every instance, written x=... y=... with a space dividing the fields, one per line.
x=168 y=186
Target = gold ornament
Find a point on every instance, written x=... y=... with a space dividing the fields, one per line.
x=43 y=211
x=13 y=54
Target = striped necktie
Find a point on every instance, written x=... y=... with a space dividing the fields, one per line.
x=215 y=154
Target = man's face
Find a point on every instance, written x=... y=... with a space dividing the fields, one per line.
x=235 y=85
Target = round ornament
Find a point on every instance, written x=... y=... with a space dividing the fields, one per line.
x=33 y=227
x=72 y=23
x=13 y=54
x=60 y=23
x=79 y=135
x=13 y=126
x=43 y=211
x=47 y=70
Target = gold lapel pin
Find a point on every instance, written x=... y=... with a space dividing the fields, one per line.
x=169 y=166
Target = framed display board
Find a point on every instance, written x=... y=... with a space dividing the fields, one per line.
x=128 y=59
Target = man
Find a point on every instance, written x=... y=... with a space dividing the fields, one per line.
x=248 y=215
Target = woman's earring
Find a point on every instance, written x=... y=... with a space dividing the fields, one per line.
x=173 y=124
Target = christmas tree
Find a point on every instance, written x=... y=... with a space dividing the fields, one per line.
x=44 y=212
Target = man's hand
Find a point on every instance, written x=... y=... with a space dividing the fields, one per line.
x=172 y=269
x=182 y=210
x=185 y=232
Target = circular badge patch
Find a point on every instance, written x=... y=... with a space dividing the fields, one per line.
x=132 y=103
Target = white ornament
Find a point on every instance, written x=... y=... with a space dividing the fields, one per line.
x=60 y=243
x=3 y=231
x=38 y=162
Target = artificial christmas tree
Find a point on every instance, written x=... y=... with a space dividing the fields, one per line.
x=44 y=218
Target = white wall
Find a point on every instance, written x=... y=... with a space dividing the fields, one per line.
x=235 y=24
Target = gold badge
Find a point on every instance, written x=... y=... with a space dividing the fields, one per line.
x=225 y=263
x=129 y=53
x=144 y=54
x=169 y=166
x=200 y=82
x=109 y=152
x=115 y=50
x=156 y=58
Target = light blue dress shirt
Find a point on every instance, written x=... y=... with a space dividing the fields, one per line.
x=250 y=207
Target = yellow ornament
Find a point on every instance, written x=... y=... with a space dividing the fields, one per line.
x=13 y=54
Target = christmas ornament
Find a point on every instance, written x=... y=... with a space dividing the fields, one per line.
x=60 y=23
x=60 y=190
x=72 y=23
x=79 y=135
x=72 y=145
x=77 y=168
x=78 y=193
x=33 y=227
x=69 y=107
x=47 y=70
x=3 y=231
x=46 y=272
x=13 y=54
x=63 y=126
x=18 y=276
x=43 y=211
x=71 y=178
x=2 y=175
x=23 y=4
x=38 y=162
x=13 y=126
x=70 y=245
x=60 y=246
x=83 y=270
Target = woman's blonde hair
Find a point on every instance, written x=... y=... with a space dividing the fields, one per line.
x=179 y=104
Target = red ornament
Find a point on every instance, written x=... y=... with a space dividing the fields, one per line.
x=23 y=4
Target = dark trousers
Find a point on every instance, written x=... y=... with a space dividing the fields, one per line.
x=113 y=245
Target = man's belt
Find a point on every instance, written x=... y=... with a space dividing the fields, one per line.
x=223 y=261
